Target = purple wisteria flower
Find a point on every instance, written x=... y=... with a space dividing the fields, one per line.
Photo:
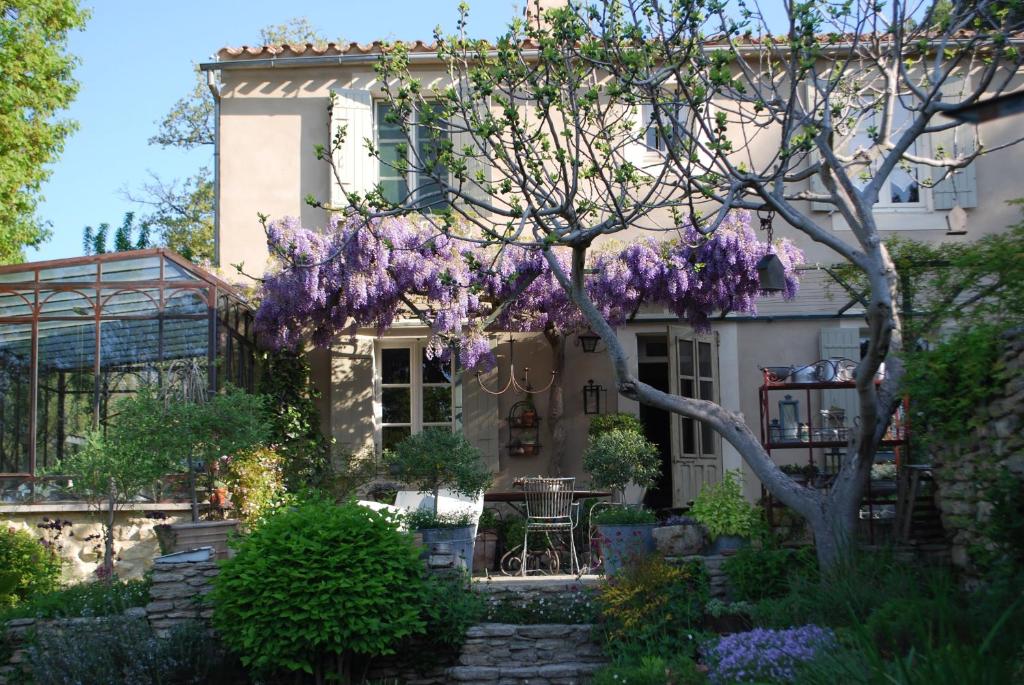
x=766 y=656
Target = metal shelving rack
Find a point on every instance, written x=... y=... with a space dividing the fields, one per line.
x=897 y=438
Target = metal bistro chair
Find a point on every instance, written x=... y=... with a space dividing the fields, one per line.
x=549 y=509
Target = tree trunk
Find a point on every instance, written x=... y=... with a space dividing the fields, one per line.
x=556 y=402
x=108 y=538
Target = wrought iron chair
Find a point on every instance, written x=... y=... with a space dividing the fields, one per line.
x=549 y=509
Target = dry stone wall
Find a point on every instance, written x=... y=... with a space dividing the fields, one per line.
x=81 y=543
x=966 y=473
x=177 y=594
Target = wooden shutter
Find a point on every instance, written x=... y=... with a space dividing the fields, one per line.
x=961 y=186
x=357 y=170
x=843 y=343
x=352 y=394
x=475 y=166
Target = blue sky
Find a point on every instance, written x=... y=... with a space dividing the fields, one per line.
x=136 y=61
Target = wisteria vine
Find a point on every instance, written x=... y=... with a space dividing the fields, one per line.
x=361 y=274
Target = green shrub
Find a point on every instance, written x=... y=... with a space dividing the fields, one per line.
x=437 y=458
x=318 y=585
x=847 y=593
x=603 y=423
x=98 y=598
x=624 y=516
x=573 y=608
x=651 y=670
x=254 y=479
x=450 y=607
x=723 y=510
x=756 y=574
x=122 y=650
x=652 y=607
x=618 y=457
x=28 y=567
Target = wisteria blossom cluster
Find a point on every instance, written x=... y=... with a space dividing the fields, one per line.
x=366 y=274
x=766 y=656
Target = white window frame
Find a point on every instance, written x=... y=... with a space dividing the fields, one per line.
x=412 y=178
x=416 y=386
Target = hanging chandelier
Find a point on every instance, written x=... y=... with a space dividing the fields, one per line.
x=513 y=384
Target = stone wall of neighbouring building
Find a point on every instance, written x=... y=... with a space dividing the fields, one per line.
x=966 y=474
x=81 y=542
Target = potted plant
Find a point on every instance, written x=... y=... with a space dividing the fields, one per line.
x=728 y=517
x=621 y=457
x=624 y=533
x=433 y=459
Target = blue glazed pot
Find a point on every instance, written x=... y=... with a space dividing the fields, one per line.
x=727 y=543
x=454 y=543
x=621 y=543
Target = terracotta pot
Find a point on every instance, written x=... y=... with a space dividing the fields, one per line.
x=219 y=497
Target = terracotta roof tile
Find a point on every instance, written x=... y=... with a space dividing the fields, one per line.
x=309 y=49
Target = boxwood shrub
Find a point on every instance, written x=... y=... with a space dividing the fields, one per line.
x=318 y=586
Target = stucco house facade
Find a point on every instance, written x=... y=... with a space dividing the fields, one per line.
x=273 y=107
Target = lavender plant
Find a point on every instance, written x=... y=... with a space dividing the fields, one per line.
x=766 y=656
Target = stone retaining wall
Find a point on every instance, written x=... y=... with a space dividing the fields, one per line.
x=549 y=654
x=965 y=473
x=177 y=594
x=18 y=631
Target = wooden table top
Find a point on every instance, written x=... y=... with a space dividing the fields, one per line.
x=520 y=495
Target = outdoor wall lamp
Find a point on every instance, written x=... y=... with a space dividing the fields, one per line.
x=771 y=274
x=592 y=397
x=588 y=341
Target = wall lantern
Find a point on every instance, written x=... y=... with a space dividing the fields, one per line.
x=592 y=397
x=589 y=341
x=789 y=418
x=771 y=274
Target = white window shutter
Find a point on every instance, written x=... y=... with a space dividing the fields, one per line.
x=477 y=415
x=843 y=343
x=475 y=166
x=357 y=170
x=960 y=187
x=635 y=149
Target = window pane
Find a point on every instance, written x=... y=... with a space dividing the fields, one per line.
x=903 y=187
x=685 y=358
x=707 y=439
x=704 y=359
x=436 y=370
x=394 y=365
x=395 y=405
x=686 y=387
x=437 y=404
x=430 y=137
x=15 y=377
x=707 y=390
x=392 y=435
x=689 y=436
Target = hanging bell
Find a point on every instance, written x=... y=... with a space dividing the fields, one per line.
x=771 y=274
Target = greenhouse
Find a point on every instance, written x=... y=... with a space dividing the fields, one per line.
x=77 y=334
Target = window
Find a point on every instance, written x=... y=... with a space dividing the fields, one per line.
x=395 y=148
x=412 y=396
x=902 y=188
x=654 y=136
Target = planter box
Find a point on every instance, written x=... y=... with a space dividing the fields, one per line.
x=189 y=536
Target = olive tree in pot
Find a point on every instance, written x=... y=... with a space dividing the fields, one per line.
x=619 y=458
x=731 y=521
x=429 y=461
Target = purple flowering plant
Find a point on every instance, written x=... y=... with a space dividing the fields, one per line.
x=766 y=656
x=365 y=273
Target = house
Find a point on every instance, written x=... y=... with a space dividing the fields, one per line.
x=273 y=108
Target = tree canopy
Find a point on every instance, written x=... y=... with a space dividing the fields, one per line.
x=37 y=84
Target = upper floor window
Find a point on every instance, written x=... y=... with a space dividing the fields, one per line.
x=902 y=188
x=409 y=187
x=415 y=392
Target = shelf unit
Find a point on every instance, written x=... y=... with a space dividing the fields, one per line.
x=523 y=431
x=897 y=438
